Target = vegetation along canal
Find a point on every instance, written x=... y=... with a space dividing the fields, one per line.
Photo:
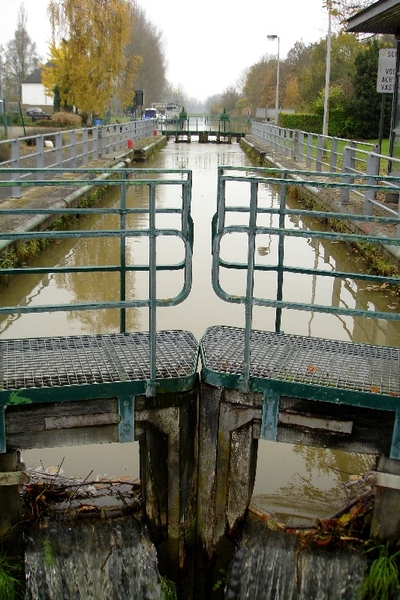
x=301 y=480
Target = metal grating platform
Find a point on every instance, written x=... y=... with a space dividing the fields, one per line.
x=304 y=360
x=65 y=361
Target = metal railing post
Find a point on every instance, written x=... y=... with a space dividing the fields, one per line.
x=122 y=224
x=39 y=155
x=372 y=169
x=295 y=144
x=72 y=148
x=334 y=149
x=398 y=226
x=347 y=167
x=320 y=152
x=288 y=144
x=95 y=141
x=15 y=164
x=300 y=147
x=103 y=141
x=309 y=150
x=85 y=147
x=58 y=146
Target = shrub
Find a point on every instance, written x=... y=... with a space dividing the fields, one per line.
x=5 y=152
x=66 y=119
x=303 y=122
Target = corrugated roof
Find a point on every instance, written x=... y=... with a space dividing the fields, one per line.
x=381 y=17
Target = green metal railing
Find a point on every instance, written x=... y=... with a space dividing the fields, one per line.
x=279 y=364
x=252 y=210
x=212 y=124
x=121 y=180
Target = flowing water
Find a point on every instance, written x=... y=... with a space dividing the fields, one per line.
x=310 y=481
x=112 y=560
x=271 y=565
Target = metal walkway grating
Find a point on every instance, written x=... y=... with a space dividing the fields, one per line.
x=64 y=361
x=304 y=360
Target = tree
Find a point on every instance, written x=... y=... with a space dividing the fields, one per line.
x=341 y=10
x=298 y=59
x=230 y=97
x=146 y=41
x=260 y=84
x=344 y=48
x=20 y=58
x=365 y=108
x=88 y=60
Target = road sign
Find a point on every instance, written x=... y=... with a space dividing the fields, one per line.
x=386 y=71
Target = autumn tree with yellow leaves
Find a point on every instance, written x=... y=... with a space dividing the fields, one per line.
x=89 y=60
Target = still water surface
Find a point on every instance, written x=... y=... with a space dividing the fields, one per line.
x=310 y=480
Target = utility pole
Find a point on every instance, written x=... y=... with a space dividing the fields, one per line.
x=325 y=124
x=2 y=99
x=276 y=37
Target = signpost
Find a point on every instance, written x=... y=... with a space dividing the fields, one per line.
x=385 y=81
x=386 y=71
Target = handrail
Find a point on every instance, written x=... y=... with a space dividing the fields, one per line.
x=358 y=161
x=126 y=228
x=72 y=148
x=251 y=211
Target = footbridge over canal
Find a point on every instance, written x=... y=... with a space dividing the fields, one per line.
x=219 y=129
x=197 y=440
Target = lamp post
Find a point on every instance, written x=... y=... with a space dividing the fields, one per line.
x=325 y=124
x=2 y=99
x=272 y=38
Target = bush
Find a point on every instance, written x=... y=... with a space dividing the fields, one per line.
x=5 y=152
x=304 y=122
x=66 y=119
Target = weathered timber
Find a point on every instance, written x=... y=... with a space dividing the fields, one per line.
x=227 y=465
x=386 y=517
x=64 y=424
x=9 y=491
x=371 y=429
x=168 y=471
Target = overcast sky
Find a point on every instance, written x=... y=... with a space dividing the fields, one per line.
x=208 y=44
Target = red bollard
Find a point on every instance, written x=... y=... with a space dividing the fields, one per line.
x=130 y=144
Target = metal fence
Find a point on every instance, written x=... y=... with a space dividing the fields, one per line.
x=281 y=364
x=355 y=161
x=73 y=148
x=123 y=231
x=199 y=124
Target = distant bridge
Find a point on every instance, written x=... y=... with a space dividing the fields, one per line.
x=206 y=128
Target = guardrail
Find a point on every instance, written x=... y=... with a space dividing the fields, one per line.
x=356 y=161
x=73 y=148
x=200 y=124
x=280 y=364
x=124 y=230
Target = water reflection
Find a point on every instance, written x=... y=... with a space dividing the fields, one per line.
x=284 y=471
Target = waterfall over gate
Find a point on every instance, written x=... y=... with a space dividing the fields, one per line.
x=92 y=561
x=268 y=565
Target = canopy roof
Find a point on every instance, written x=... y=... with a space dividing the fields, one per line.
x=381 y=17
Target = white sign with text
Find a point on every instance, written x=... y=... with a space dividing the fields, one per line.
x=386 y=71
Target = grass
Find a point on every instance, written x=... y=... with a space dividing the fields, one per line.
x=382 y=580
x=168 y=588
x=10 y=585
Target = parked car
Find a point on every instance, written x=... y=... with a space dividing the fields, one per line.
x=36 y=113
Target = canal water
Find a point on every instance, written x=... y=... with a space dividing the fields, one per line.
x=302 y=481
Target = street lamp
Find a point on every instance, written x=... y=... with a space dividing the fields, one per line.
x=272 y=38
x=325 y=123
